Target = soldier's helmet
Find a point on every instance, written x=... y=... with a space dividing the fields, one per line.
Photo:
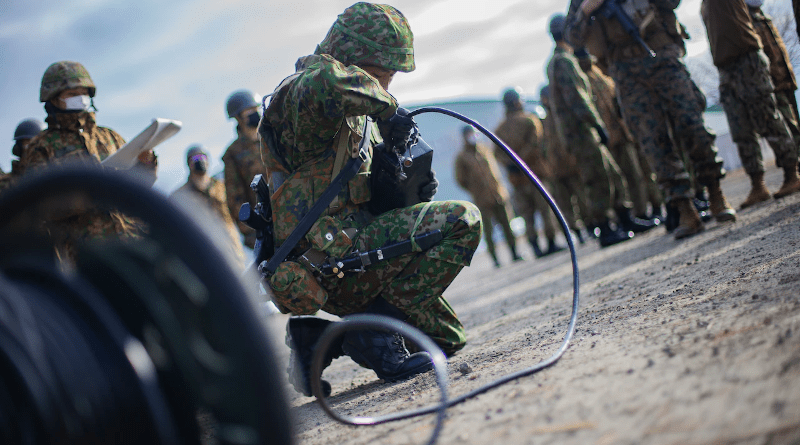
x=241 y=100
x=28 y=128
x=557 y=22
x=62 y=76
x=544 y=93
x=371 y=34
x=512 y=96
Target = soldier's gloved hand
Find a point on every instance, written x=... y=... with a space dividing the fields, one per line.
x=602 y=133
x=427 y=191
x=398 y=129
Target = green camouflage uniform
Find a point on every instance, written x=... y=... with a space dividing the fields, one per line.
x=242 y=162
x=745 y=87
x=478 y=173
x=651 y=89
x=522 y=132
x=577 y=118
x=620 y=141
x=213 y=197
x=321 y=111
x=71 y=137
x=780 y=69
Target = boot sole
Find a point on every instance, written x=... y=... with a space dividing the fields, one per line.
x=681 y=234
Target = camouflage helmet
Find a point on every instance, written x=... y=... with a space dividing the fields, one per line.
x=371 y=34
x=241 y=100
x=28 y=128
x=557 y=22
x=512 y=96
x=62 y=76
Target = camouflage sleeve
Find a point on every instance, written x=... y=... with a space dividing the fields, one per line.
x=35 y=154
x=327 y=93
x=576 y=92
x=576 y=26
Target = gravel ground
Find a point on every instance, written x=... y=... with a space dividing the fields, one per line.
x=678 y=342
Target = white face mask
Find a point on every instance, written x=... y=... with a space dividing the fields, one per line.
x=77 y=103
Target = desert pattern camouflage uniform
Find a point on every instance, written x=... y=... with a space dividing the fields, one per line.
x=242 y=162
x=780 y=69
x=650 y=89
x=577 y=118
x=522 y=132
x=620 y=140
x=72 y=137
x=478 y=172
x=329 y=100
x=213 y=197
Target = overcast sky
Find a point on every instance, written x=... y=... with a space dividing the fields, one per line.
x=181 y=59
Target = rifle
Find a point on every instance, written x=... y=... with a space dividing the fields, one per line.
x=260 y=219
x=612 y=9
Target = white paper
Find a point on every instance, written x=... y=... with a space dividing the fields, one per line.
x=159 y=131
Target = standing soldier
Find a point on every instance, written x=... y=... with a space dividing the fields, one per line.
x=204 y=190
x=522 y=132
x=651 y=89
x=746 y=93
x=569 y=190
x=72 y=134
x=320 y=112
x=584 y=133
x=620 y=142
x=477 y=172
x=26 y=130
x=780 y=67
x=242 y=158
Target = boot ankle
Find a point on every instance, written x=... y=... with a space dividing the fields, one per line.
x=689 y=220
x=719 y=206
x=758 y=191
x=791 y=183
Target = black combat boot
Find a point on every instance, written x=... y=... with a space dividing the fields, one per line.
x=672 y=218
x=385 y=352
x=302 y=335
x=630 y=223
x=610 y=236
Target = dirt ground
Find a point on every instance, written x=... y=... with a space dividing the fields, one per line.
x=678 y=342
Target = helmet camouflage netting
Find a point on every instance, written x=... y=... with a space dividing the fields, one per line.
x=371 y=34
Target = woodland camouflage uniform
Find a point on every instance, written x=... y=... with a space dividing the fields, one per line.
x=577 y=120
x=620 y=141
x=321 y=111
x=780 y=69
x=746 y=88
x=242 y=162
x=76 y=137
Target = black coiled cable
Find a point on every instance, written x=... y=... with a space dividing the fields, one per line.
x=505 y=379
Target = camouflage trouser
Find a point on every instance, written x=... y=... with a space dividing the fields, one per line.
x=499 y=213
x=654 y=195
x=527 y=201
x=745 y=90
x=650 y=91
x=414 y=282
x=627 y=159
x=787 y=106
x=606 y=189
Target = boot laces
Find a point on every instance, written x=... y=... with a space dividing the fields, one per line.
x=398 y=343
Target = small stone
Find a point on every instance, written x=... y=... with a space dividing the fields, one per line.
x=464 y=368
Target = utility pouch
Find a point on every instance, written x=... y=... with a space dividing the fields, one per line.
x=295 y=290
x=328 y=235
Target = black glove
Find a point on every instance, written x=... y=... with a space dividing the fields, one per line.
x=427 y=191
x=602 y=133
x=398 y=129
